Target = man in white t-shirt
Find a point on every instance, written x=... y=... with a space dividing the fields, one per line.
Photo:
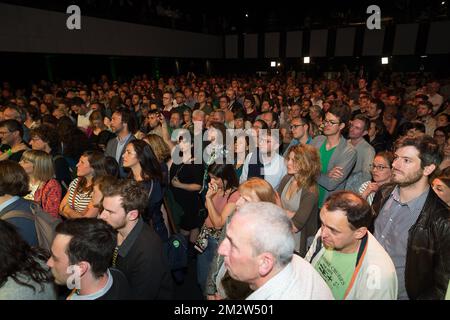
x=268 y=263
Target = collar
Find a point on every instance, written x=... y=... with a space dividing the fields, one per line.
x=128 y=243
x=8 y=202
x=74 y=295
x=413 y=204
x=123 y=140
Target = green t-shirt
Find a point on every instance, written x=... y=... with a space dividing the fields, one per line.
x=337 y=269
x=325 y=156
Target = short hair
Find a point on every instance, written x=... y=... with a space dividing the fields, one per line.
x=12 y=126
x=427 y=104
x=134 y=195
x=418 y=125
x=428 y=149
x=20 y=112
x=268 y=219
x=240 y=114
x=92 y=240
x=378 y=104
x=303 y=120
x=47 y=134
x=43 y=167
x=14 y=180
x=364 y=119
x=128 y=118
x=356 y=209
x=341 y=112
x=250 y=98
x=225 y=97
x=198 y=112
x=77 y=101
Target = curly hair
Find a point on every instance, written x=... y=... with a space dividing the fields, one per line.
x=307 y=162
x=19 y=259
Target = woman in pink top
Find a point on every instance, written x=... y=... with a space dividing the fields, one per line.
x=221 y=201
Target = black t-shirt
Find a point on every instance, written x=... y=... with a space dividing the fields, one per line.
x=188 y=173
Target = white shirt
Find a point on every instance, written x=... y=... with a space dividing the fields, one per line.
x=274 y=171
x=83 y=121
x=297 y=281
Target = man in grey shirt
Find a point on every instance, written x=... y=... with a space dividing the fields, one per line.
x=412 y=223
x=365 y=153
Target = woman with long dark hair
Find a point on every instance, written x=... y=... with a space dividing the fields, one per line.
x=220 y=202
x=144 y=168
x=186 y=178
x=23 y=273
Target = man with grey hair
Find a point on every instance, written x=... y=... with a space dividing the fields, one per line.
x=268 y=264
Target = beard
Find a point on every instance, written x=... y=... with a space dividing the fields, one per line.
x=408 y=179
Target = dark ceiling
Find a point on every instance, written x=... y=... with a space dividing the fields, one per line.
x=232 y=16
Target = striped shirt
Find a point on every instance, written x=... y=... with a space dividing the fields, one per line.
x=81 y=201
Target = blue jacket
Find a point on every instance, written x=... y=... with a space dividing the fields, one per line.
x=25 y=227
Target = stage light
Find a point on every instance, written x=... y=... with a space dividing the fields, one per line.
x=384 y=60
x=273 y=64
x=306 y=59
x=278 y=64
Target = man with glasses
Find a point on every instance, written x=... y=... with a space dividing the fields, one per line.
x=11 y=133
x=337 y=156
x=365 y=153
x=300 y=133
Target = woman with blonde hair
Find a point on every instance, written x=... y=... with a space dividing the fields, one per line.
x=299 y=194
x=44 y=189
x=162 y=154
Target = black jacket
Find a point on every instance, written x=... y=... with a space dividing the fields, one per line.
x=427 y=269
x=142 y=260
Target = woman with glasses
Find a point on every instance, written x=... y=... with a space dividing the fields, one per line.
x=381 y=174
x=44 y=189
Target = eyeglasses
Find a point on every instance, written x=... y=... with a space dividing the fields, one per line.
x=295 y=126
x=378 y=167
x=329 y=122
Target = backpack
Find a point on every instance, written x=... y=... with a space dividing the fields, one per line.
x=45 y=223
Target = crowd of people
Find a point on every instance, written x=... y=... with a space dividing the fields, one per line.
x=281 y=187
